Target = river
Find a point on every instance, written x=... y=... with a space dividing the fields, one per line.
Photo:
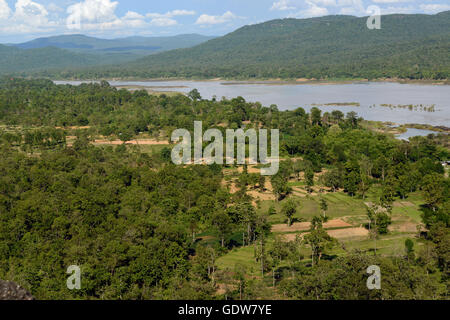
x=370 y=95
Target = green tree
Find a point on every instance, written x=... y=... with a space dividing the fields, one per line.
x=333 y=179
x=309 y=179
x=433 y=190
x=194 y=95
x=409 y=248
x=323 y=206
x=289 y=209
x=222 y=224
x=316 y=117
x=277 y=253
x=239 y=275
x=319 y=240
x=280 y=186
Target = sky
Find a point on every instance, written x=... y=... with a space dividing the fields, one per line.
x=23 y=20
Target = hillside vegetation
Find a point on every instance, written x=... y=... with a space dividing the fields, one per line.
x=140 y=227
x=407 y=46
x=116 y=50
x=14 y=60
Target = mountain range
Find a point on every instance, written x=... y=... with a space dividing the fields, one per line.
x=408 y=46
x=413 y=46
x=127 y=48
x=76 y=51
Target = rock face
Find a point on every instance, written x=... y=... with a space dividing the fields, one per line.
x=12 y=291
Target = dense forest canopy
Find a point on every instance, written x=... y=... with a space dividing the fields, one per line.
x=143 y=228
x=16 y=60
x=408 y=46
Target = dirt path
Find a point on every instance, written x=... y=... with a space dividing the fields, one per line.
x=349 y=233
x=257 y=195
x=136 y=142
x=250 y=169
x=74 y=127
x=340 y=234
x=304 y=226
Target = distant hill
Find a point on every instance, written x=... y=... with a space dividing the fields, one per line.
x=16 y=60
x=116 y=50
x=412 y=46
x=407 y=46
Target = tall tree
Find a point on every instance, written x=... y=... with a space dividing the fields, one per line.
x=289 y=209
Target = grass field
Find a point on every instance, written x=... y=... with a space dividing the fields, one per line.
x=339 y=205
x=405 y=218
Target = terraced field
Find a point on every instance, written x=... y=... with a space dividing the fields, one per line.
x=347 y=223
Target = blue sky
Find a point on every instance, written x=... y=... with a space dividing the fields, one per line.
x=22 y=20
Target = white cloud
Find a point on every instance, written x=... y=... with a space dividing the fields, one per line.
x=181 y=13
x=5 y=11
x=355 y=3
x=316 y=8
x=205 y=19
x=351 y=7
x=55 y=8
x=96 y=16
x=28 y=17
x=101 y=12
x=166 y=19
x=326 y=3
x=100 y=15
x=391 y=10
x=390 y=1
x=130 y=15
x=345 y=2
x=282 y=5
x=434 y=8
x=133 y=19
x=171 y=14
x=163 y=22
x=313 y=10
x=30 y=12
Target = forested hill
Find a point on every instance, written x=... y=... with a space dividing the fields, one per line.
x=407 y=46
x=116 y=50
x=13 y=60
x=46 y=55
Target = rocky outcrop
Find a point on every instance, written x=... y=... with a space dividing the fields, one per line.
x=12 y=291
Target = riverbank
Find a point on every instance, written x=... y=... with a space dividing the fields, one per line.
x=364 y=98
x=442 y=129
x=403 y=130
x=299 y=81
x=154 y=90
